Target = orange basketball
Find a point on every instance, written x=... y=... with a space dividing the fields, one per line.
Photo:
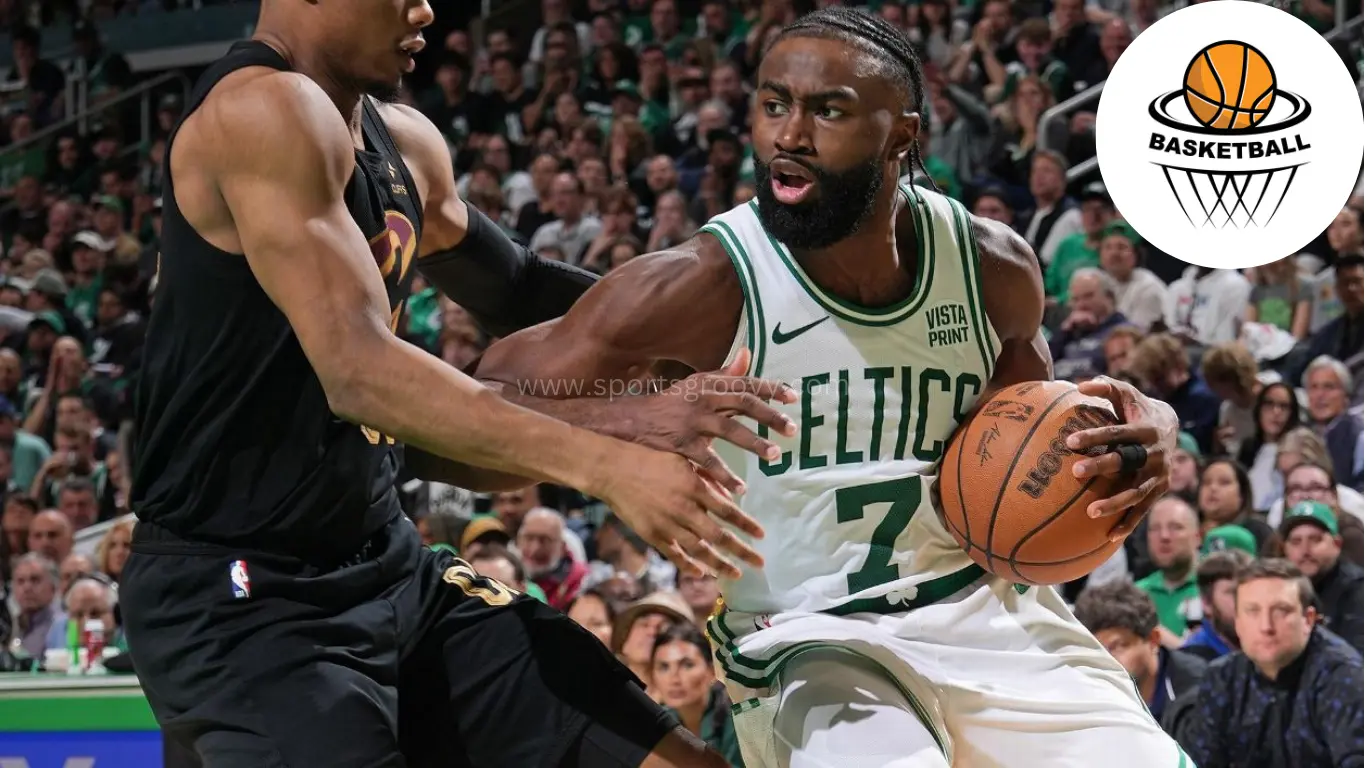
x=1007 y=489
x=1230 y=85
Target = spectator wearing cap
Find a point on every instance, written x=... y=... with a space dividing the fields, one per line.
x=1207 y=306
x=88 y=252
x=1227 y=538
x=1314 y=545
x=47 y=299
x=28 y=452
x=1079 y=346
x=635 y=629
x=1080 y=249
x=1124 y=620
x=109 y=224
x=572 y=231
x=1184 y=474
x=1161 y=366
x=480 y=532
x=1217 y=577
x=1174 y=546
x=1329 y=385
x=47 y=326
x=541 y=543
x=1140 y=295
x=1292 y=697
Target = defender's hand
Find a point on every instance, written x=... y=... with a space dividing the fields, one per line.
x=686 y=418
x=1143 y=421
x=678 y=511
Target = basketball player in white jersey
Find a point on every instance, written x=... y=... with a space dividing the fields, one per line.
x=868 y=638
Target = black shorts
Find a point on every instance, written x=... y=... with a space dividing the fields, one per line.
x=403 y=658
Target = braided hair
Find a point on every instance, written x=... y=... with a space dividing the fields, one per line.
x=884 y=42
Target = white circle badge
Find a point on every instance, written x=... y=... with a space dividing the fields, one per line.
x=1229 y=134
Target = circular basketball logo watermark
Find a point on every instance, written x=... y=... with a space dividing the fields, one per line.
x=1229 y=134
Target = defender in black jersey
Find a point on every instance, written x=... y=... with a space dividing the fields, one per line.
x=279 y=606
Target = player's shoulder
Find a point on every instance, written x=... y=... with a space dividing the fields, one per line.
x=260 y=115
x=414 y=133
x=700 y=261
x=1002 y=249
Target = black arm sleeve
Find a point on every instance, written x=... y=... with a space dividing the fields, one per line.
x=502 y=284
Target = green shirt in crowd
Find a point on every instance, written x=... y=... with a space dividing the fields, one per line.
x=718 y=726
x=1073 y=253
x=1177 y=607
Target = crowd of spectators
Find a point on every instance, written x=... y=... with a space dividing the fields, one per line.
x=613 y=128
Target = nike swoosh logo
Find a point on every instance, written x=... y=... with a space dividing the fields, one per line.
x=782 y=338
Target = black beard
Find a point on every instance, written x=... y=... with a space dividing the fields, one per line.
x=385 y=93
x=844 y=201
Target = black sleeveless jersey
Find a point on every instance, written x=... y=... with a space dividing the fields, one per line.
x=235 y=444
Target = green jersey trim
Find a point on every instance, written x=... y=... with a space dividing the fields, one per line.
x=972 y=281
x=849 y=311
x=754 y=310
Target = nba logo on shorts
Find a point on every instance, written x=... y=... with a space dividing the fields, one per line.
x=241 y=582
x=1229 y=134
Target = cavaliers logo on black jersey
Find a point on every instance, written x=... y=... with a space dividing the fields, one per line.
x=394 y=250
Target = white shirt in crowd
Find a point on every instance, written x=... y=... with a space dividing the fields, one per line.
x=517 y=190
x=1209 y=309
x=1142 y=299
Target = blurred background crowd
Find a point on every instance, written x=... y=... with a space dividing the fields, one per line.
x=598 y=130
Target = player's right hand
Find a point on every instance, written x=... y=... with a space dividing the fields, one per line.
x=685 y=418
x=665 y=500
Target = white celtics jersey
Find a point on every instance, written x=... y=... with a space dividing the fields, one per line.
x=846 y=510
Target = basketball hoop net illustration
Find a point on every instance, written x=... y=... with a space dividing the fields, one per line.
x=1219 y=199
x=1229 y=151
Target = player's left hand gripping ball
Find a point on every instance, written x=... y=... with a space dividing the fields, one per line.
x=1143 y=422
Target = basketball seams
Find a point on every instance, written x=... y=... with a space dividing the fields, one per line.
x=1062 y=510
x=1218 y=81
x=1242 y=86
x=1010 y=471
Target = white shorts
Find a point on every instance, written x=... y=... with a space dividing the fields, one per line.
x=988 y=678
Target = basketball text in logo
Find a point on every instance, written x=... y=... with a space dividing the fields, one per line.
x=1229 y=134
x=1229 y=102
x=1048 y=464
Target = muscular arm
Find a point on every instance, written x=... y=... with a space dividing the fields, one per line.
x=1013 y=293
x=280 y=157
x=504 y=286
x=680 y=305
